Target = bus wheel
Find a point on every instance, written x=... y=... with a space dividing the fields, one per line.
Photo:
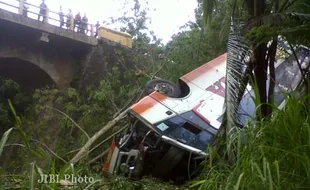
x=164 y=87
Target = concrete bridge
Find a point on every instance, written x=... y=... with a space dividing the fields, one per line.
x=36 y=53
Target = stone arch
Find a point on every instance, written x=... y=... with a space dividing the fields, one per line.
x=54 y=68
x=27 y=75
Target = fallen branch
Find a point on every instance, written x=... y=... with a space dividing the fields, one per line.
x=99 y=156
x=108 y=138
x=86 y=147
x=140 y=72
x=114 y=105
x=154 y=75
x=72 y=151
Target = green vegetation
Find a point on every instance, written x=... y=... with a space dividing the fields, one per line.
x=11 y=90
x=274 y=156
x=42 y=132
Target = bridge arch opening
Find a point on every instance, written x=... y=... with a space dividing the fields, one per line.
x=28 y=75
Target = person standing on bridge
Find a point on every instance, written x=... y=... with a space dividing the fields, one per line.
x=43 y=10
x=97 y=28
x=84 y=24
x=69 y=18
x=77 y=22
x=61 y=17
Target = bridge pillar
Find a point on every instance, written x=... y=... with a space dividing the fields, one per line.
x=21 y=7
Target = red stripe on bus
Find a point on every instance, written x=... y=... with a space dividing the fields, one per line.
x=195 y=110
x=148 y=102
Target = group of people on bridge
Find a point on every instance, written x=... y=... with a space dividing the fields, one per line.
x=80 y=24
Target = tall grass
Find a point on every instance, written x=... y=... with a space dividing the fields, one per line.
x=4 y=139
x=28 y=179
x=275 y=155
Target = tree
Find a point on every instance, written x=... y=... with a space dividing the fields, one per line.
x=255 y=27
x=190 y=47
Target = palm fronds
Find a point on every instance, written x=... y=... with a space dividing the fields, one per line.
x=237 y=73
x=278 y=19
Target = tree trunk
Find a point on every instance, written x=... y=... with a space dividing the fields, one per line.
x=255 y=7
x=271 y=57
x=260 y=74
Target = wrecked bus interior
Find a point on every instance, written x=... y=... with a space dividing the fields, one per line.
x=172 y=126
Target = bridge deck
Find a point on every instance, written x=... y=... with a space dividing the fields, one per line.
x=17 y=19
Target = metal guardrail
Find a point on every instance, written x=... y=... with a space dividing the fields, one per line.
x=68 y=22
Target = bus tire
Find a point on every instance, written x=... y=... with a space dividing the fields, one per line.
x=164 y=87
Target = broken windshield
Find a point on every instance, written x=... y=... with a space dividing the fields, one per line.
x=189 y=129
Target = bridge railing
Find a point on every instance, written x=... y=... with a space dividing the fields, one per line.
x=50 y=17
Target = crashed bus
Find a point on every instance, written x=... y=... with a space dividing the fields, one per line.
x=173 y=125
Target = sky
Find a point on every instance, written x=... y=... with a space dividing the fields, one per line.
x=166 y=15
